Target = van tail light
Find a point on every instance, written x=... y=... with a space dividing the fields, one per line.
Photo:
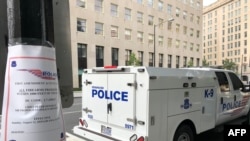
x=134 y=138
x=141 y=139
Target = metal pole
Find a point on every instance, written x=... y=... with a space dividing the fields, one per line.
x=154 y=45
x=241 y=66
x=3 y=47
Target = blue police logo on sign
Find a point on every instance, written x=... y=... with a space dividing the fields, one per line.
x=13 y=64
x=186 y=104
x=109 y=95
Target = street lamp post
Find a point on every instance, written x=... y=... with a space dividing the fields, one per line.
x=169 y=20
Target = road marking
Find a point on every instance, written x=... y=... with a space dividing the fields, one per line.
x=71 y=112
x=71 y=137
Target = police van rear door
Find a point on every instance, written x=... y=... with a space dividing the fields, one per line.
x=121 y=108
x=94 y=103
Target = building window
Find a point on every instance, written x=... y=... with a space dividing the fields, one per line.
x=150 y=3
x=160 y=5
x=177 y=28
x=81 y=25
x=99 y=56
x=198 y=5
x=169 y=42
x=160 y=40
x=151 y=56
x=184 y=61
x=139 y=17
x=185 y=44
x=127 y=56
x=184 y=15
x=99 y=28
x=127 y=14
x=160 y=60
x=198 y=20
x=191 y=3
x=177 y=61
x=169 y=61
x=115 y=57
x=169 y=25
x=198 y=48
x=191 y=32
x=82 y=60
x=160 y=21
x=169 y=9
x=197 y=62
x=127 y=34
x=140 y=57
x=177 y=12
x=177 y=43
x=114 y=10
x=114 y=31
x=150 y=20
x=139 y=1
x=191 y=46
x=198 y=34
x=150 y=38
x=140 y=37
x=191 y=17
x=98 y=5
x=184 y=30
x=191 y=62
x=81 y=3
x=82 y=56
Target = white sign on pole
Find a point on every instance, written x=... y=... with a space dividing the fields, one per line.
x=32 y=106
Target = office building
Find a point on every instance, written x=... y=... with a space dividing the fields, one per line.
x=106 y=32
x=225 y=29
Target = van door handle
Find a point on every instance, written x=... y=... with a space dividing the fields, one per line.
x=221 y=100
x=234 y=97
x=109 y=107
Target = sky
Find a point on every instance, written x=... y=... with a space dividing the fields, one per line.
x=207 y=2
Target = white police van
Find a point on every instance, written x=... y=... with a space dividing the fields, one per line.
x=158 y=104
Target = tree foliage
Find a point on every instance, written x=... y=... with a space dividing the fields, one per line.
x=133 y=61
x=229 y=65
x=190 y=63
x=205 y=63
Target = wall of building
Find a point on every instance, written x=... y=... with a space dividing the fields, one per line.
x=92 y=40
x=225 y=33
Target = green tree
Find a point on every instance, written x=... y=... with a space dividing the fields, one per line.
x=190 y=63
x=229 y=65
x=205 y=63
x=133 y=61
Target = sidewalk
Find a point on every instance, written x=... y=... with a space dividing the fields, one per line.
x=77 y=93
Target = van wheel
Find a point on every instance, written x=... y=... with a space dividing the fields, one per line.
x=248 y=118
x=184 y=133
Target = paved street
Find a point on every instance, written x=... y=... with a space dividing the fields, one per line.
x=72 y=114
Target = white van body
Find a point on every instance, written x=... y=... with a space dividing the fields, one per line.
x=149 y=104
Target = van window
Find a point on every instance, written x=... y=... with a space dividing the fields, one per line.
x=237 y=84
x=223 y=82
x=244 y=78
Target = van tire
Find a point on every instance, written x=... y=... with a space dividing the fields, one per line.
x=248 y=118
x=184 y=133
